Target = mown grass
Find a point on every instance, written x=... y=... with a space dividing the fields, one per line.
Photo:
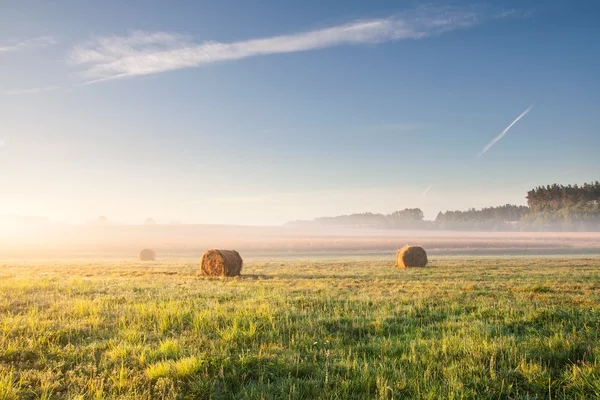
x=302 y=329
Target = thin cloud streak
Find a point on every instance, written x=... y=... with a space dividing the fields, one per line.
x=426 y=190
x=570 y=171
x=500 y=136
x=274 y=197
x=41 y=41
x=145 y=53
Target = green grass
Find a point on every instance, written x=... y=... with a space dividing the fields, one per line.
x=302 y=329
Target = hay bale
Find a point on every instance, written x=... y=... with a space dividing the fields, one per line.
x=411 y=256
x=221 y=263
x=147 y=255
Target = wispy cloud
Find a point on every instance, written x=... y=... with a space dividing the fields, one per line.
x=144 y=53
x=569 y=172
x=33 y=90
x=41 y=41
x=497 y=138
x=273 y=197
x=516 y=13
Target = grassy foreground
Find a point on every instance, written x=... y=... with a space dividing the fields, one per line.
x=300 y=329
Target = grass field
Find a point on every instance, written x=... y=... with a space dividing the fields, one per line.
x=464 y=327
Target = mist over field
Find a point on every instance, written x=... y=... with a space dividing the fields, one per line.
x=49 y=240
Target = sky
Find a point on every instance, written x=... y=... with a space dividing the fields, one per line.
x=261 y=112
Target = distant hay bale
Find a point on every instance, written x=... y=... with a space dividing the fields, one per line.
x=221 y=263
x=411 y=256
x=147 y=255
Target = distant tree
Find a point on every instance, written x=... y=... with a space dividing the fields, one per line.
x=550 y=207
x=149 y=221
x=559 y=207
x=409 y=218
x=504 y=217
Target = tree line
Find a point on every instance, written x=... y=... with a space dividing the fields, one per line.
x=552 y=207
x=505 y=218
x=559 y=207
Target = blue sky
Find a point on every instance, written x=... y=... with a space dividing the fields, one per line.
x=262 y=112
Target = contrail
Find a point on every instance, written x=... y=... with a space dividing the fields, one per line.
x=426 y=190
x=493 y=142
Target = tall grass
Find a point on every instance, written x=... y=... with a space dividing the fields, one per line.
x=302 y=329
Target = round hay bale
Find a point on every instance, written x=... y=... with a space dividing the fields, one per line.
x=221 y=263
x=147 y=255
x=411 y=256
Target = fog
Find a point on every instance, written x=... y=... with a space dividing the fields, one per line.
x=42 y=239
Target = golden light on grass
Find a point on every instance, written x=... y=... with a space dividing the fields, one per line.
x=469 y=325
